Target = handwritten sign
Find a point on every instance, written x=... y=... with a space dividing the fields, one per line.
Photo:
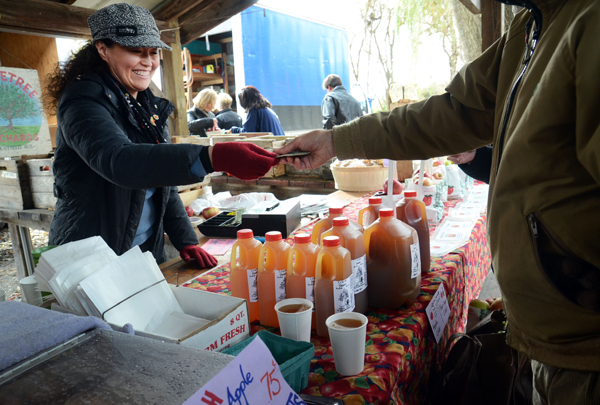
x=438 y=312
x=218 y=247
x=253 y=377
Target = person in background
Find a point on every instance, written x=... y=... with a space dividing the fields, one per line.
x=338 y=106
x=114 y=166
x=201 y=118
x=226 y=117
x=476 y=163
x=534 y=95
x=261 y=118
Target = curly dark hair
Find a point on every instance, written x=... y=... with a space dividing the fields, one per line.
x=251 y=99
x=85 y=61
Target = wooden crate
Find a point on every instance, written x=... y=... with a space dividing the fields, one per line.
x=268 y=144
x=41 y=180
x=275 y=171
x=15 y=190
x=196 y=140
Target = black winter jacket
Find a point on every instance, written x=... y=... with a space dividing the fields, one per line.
x=102 y=166
x=339 y=107
x=199 y=121
x=480 y=167
x=228 y=118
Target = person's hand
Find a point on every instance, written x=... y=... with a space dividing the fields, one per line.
x=320 y=145
x=202 y=257
x=462 y=158
x=243 y=160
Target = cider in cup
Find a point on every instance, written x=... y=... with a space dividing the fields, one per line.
x=272 y=269
x=393 y=262
x=302 y=261
x=370 y=213
x=412 y=212
x=327 y=222
x=334 y=292
x=354 y=241
x=244 y=270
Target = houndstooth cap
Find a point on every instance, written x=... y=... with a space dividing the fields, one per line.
x=127 y=25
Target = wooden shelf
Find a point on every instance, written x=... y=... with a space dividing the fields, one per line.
x=203 y=77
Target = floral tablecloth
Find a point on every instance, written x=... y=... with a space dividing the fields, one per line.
x=400 y=351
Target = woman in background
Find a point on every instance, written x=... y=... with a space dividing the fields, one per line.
x=200 y=118
x=260 y=116
x=226 y=117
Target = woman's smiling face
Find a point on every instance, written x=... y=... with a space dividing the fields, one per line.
x=132 y=67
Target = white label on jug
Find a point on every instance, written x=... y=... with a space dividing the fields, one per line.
x=280 y=277
x=252 y=284
x=343 y=295
x=415 y=258
x=359 y=273
x=310 y=290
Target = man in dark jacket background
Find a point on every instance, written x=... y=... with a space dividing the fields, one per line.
x=226 y=117
x=338 y=105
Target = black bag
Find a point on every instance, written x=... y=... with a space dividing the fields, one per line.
x=482 y=369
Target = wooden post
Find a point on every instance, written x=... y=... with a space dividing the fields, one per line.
x=491 y=23
x=173 y=80
x=21 y=251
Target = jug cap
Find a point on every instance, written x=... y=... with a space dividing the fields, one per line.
x=302 y=238
x=410 y=194
x=341 y=221
x=336 y=210
x=245 y=234
x=375 y=200
x=273 y=236
x=386 y=212
x=331 y=241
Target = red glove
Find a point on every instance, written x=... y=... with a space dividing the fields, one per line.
x=202 y=257
x=243 y=160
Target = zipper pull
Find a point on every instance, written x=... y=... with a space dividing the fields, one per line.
x=533 y=226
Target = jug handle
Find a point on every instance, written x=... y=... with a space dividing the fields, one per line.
x=293 y=252
x=232 y=260
x=326 y=275
x=360 y=216
x=262 y=258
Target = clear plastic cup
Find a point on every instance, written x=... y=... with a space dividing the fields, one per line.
x=295 y=318
x=348 y=332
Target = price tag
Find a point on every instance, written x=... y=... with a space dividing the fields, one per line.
x=438 y=312
x=343 y=295
x=252 y=275
x=253 y=377
x=415 y=259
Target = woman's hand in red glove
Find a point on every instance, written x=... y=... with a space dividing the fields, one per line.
x=243 y=160
x=202 y=257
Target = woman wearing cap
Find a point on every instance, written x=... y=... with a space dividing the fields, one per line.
x=260 y=116
x=114 y=165
x=200 y=118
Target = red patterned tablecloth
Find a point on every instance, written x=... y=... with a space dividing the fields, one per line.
x=399 y=351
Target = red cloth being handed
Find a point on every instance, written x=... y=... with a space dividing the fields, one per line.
x=202 y=257
x=243 y=160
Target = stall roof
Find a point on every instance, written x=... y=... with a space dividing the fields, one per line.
x=68 y=18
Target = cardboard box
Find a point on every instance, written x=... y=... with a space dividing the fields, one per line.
x=229 y=319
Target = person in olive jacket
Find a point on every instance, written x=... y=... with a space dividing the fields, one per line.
x=115 y=168
x=201 y=117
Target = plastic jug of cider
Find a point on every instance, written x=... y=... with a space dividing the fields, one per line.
x=334 y=292
x=354 y=241
x=244 y=270
x=393 y=262
x=370 y=213
x=327 y=222
x=412 y=212
x=272 y=269
x=302 y=261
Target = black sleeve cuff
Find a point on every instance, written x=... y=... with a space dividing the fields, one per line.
x=205 y=160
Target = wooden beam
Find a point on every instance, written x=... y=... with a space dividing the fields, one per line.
x=54 y=19
x=175 y=9
x=214 y=14
x=173 y=79
x=474 y=6
x=491 y=23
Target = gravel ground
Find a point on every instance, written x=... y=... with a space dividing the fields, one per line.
x=8 y=271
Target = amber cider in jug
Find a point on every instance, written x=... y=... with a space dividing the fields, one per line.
x=244 y=270
x=393 y=262
x=334 y=292
x=302 y=261
x=370 y=213
x=272 y=269
x=327 y=222
x=412 y=212
x=354 y=241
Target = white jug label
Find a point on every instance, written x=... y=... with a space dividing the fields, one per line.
x=359 y=272
x=280 y=277
x=252 y=284
x=343 y=295
x=415 y=257
x=310 y=290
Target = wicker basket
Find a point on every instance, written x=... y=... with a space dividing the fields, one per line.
x=359 y=178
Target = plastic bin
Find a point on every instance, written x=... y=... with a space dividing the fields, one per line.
x=359 y=178
x=293 y=357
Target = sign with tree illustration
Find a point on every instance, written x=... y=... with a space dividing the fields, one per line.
x=23 y=124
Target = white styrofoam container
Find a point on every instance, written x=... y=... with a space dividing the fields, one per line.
x=229 y=319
